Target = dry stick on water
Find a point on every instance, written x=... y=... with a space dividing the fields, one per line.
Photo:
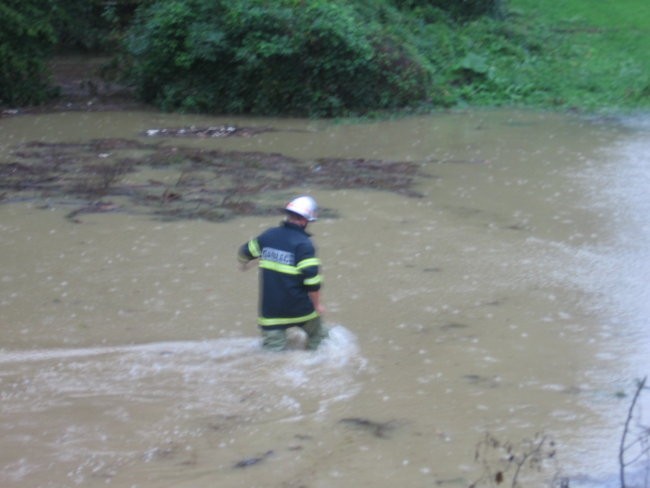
x=626 y=430
x=504 y=461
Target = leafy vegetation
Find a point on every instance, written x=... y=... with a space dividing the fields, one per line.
x=26 y=39
x=322 y=58
x=32 y=30
x=458 y=10
x=341 y=57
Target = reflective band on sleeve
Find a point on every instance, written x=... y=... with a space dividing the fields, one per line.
x=280 y=268
x=264 y=322
x=306 y=263
x=254 y=248
x=316 y=280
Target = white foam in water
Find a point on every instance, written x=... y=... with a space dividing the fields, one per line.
x=174 y=385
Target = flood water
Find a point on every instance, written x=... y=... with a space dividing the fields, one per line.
x=511 y=300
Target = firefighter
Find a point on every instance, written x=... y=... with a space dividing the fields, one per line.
x=290 y=278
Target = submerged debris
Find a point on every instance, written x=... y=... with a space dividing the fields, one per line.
x=94 y=207
x=251 y=461
x=378 y=429
x=481 y=380
x=109 y=174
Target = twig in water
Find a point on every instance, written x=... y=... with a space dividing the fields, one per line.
x=643 y=438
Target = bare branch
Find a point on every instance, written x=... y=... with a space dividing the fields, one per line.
x=626 y=430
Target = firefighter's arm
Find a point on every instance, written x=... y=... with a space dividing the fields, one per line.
x=248 y=255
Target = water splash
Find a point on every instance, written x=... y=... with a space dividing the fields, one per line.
x=90 y=398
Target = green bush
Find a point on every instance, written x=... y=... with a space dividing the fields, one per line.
x=79 y=25
x=457 y=9
x=26 y=39
x=313 y=57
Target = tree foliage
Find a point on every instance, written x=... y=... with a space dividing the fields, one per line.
x=457 y=9
x=26 y=39
x=337 y=57
x=32 y=30
x=309 y=57
x=80 y=25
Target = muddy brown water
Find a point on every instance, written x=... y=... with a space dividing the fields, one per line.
x=510 y=300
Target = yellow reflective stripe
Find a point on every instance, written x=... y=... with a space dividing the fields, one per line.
x=316 y=280
x=264 y=322
x=306 y=263
x=280 y=268
x=254 y=248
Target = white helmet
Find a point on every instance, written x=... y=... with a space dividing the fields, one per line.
x=304 y=206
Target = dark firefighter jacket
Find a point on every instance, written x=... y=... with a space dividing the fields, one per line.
x=289 y=269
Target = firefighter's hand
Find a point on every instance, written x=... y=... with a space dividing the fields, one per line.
x=246 y=265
